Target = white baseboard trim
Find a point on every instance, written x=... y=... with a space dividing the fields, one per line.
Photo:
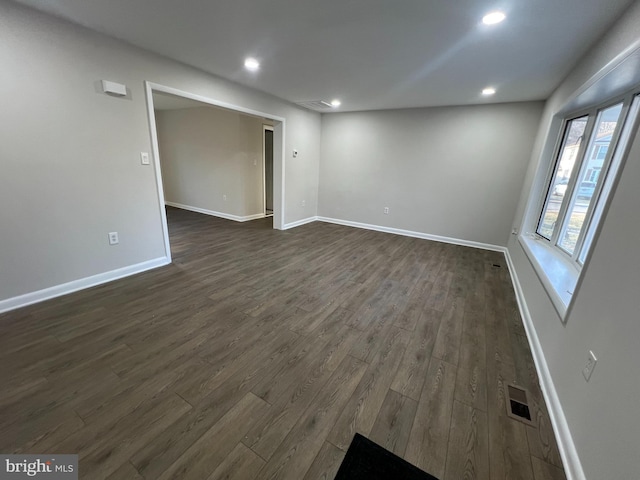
x=228 y=216
x=80 y=284
x=409 y=233
x=298 y=223
x=570 y=459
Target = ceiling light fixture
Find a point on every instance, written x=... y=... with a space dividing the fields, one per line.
x=251 y=64
x=493 y=18
x=488 y=91
x=335 y=103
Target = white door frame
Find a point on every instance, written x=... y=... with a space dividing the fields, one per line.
x=278 y=152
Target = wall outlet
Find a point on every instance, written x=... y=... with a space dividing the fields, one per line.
x=514 y=231
x=591 y=364
x=386 y=210
x=224 y=198
x=304 y=203
x=295 y=153
x=113 y=238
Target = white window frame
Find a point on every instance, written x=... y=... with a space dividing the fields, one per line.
x=559 y=272
x=581 y=162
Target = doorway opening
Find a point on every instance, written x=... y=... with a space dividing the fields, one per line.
x=267 y=150
x=277 y=186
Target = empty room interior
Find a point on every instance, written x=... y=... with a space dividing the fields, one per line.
x=237 y=237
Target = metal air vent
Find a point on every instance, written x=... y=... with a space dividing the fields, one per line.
x=518 y=404
x=316 y=105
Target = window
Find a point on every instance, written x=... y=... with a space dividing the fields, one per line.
x=589 y=155
x=592 y=174
x=574 y=133
x=600 y=152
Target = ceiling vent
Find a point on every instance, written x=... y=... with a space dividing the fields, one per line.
x=316 y=105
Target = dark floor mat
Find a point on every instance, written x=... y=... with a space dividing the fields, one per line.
x=366 y=460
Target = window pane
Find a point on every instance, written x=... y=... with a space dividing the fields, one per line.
x=616 y=161
x=589 y=177
x=567 y=158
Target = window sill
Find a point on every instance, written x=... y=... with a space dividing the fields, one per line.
x=557 y=274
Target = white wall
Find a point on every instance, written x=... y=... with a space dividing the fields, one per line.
x=69 y=154
x=601 y=414
x=453 y=171
x=207 y=153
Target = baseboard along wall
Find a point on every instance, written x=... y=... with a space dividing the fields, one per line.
x=80 y=284
x=213 y=213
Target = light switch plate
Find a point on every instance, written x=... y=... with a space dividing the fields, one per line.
x=144 y=158
x=590 y=365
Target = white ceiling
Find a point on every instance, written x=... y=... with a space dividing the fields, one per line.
x=372 y=54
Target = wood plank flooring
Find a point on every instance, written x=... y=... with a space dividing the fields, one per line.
x=258 y=354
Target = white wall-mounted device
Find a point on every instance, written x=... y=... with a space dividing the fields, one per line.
x=114 y=88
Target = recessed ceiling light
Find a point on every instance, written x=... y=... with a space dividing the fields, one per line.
x=335 y=103
x=488 y=91
x=252 y=64
x=493 y=18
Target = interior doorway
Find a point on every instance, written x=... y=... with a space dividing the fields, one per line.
x=277 y=164
x=268 y=169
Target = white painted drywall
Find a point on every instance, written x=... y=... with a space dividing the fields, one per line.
x=453 y=171
x=208 y=154
x=604 y=318
x=70 y=154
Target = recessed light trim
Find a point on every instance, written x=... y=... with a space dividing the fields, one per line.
x=488 y=91
x=335 y=103
x=252 y=64
x=493 y=17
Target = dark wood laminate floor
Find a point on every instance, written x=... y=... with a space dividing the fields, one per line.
x=259 y=353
